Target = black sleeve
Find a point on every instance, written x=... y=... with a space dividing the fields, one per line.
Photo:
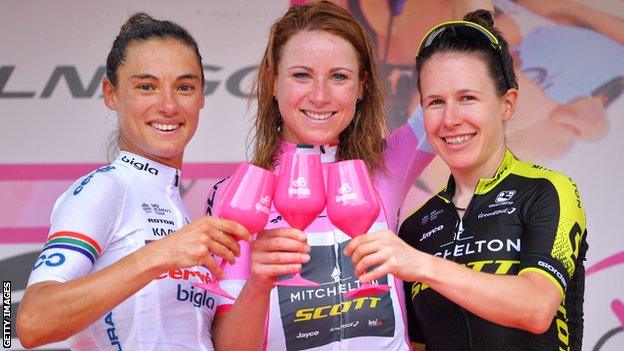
x=413 y=326
x=555 y=230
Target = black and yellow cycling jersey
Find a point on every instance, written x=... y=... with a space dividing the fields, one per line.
x=525 y=219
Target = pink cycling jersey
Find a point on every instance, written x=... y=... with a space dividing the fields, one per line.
x=321 y=318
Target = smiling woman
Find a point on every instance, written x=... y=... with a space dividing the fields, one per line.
x=319 y=92
x=501 y=233
x=96 y=272
x=158 y=97
x=317 y=82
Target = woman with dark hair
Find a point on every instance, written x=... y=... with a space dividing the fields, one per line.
x=118 y=267
x=495 y=260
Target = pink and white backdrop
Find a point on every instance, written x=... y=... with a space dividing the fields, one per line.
x=54 y=127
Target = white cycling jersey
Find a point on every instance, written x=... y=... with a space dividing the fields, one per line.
x=107 y=215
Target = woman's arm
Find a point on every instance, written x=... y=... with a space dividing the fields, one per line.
x=275 y=252
x=575 y=13
x=498 y=298
x=462 y=7
x=53 y=311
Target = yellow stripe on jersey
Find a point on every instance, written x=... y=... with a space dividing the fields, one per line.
x=571 y=224
x=548 y=276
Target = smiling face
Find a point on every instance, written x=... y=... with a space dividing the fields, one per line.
x=157 y=98
x=318 y=82
x=464 y=117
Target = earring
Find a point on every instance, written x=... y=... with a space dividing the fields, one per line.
x=279 y=122
x=358 y=101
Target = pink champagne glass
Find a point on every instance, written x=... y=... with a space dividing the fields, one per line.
x=299 y=198
x=246 y=200
x=352 y=206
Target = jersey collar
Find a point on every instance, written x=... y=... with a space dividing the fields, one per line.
x=327 y=152
x=485 y=184
x=149 y=169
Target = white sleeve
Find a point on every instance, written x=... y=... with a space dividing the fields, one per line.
x=83 y=222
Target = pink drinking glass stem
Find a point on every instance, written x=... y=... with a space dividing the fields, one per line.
x=300 y=197
x=221 y=267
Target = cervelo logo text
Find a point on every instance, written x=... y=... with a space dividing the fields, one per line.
x=346 y=193
x=53 y=260
x=263 y=204
x=307 y=335
x=88 y=179
x=140 y=166
x=507 y=210
x=431 y=232
x=299 y=187
x=186 y=274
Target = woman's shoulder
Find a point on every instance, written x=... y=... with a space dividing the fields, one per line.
x=105 y=184
x=214 y=195
x=544 y=176
x=104 y=179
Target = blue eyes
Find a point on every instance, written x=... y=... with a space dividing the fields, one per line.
x=338 y=77
x=301 y=75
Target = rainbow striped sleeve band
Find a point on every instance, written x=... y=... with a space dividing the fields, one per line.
x=75 y=242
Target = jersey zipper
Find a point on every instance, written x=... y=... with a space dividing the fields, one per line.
x=460 y=226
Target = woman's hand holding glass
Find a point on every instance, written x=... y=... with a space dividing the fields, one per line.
x=377 y=254
x=192 y=244
x=246 y=200
x=275 y=253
